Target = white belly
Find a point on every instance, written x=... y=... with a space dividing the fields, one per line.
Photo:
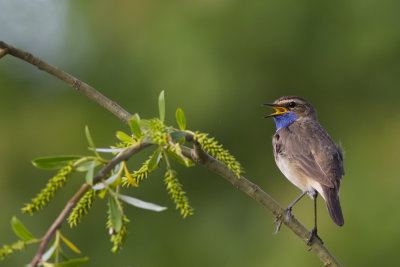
x=303 y=182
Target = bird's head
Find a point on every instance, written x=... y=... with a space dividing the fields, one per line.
x=292 y=104
x=290 y=108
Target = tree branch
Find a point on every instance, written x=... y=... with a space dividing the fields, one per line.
x=84 y=188
x=197 y=154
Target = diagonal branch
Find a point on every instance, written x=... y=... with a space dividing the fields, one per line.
x=85 y=187
x=197 y=154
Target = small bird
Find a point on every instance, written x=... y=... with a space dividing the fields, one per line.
x=307 y=156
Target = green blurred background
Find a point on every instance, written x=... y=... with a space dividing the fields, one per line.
x=219 y=61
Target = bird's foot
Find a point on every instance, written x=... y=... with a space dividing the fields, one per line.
x=313 y=235
x=278 y=221
x=289 y=215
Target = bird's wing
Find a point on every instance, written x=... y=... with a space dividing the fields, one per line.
x=307 y=163
x=327 y=154
x=315 y=153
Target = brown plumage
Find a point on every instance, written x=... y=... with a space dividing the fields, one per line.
x=306 y=154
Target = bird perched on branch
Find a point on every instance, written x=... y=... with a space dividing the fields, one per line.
x=307 y=156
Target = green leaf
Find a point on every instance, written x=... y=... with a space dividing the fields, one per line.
x=161 y=106
x=154 y=160
x=90 y=141
x=20 y=230
x=140 y=203
x=180 y=119
x=177 y=135
x=110 y=150
x=85 y=166
x=54 y=162
x=135 y=126
x=124 y=137
x=90 y=173
x=72 y=263
x=180 y=159
x=115 y=214
x=102 y=193
x=70 y=245
x=49 y=253
x=136 y=117
x=128 y=176
x=101 y=186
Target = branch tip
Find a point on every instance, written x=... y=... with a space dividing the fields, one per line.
x=3 y=52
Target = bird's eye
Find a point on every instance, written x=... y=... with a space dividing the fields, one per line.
x=292 y=104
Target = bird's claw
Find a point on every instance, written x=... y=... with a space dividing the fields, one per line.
x=289 y=213
x=278 y=220
x=313 y=235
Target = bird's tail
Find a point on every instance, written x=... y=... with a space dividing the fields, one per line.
x=333 y=204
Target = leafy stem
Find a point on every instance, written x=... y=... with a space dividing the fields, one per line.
x=89 y=158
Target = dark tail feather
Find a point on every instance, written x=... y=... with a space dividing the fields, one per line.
x=333 y=204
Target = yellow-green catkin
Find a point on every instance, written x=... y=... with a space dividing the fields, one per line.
x=47 y=193
x=138 y=175
x=9 y=249
x=82 y=208
x=211 y=146
x=118 y=238
x=157 y=132
x=177 y=194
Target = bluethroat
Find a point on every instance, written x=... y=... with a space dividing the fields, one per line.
x=307 y=156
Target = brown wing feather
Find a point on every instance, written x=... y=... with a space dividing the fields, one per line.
x=316 y=154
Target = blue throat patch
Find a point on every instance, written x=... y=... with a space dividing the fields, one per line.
x=284 y=120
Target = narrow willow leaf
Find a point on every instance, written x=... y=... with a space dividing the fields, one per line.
x=49 y=253
x=140 y=203
x=115 y=214
x=109 y=180
x=161 y=106
x=90 y=173
x=102 y=193
x=70 y=245
x=134 y=122
x=110 y=150
x=72 y=263
x=180 y=119
x=154 y=160
x=177 y=135
x=55 y=162
x=85 y=166
x=136 y=117
x=180 y=159
x=124 y=137
x=128 y=176
x=20 y=230
x=90 y=141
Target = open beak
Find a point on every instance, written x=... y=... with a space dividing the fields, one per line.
x=279 y=110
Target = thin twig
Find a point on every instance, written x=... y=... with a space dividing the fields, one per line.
x=84 y=188
x=197 y=154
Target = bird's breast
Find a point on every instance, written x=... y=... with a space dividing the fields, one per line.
x=295 y=176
